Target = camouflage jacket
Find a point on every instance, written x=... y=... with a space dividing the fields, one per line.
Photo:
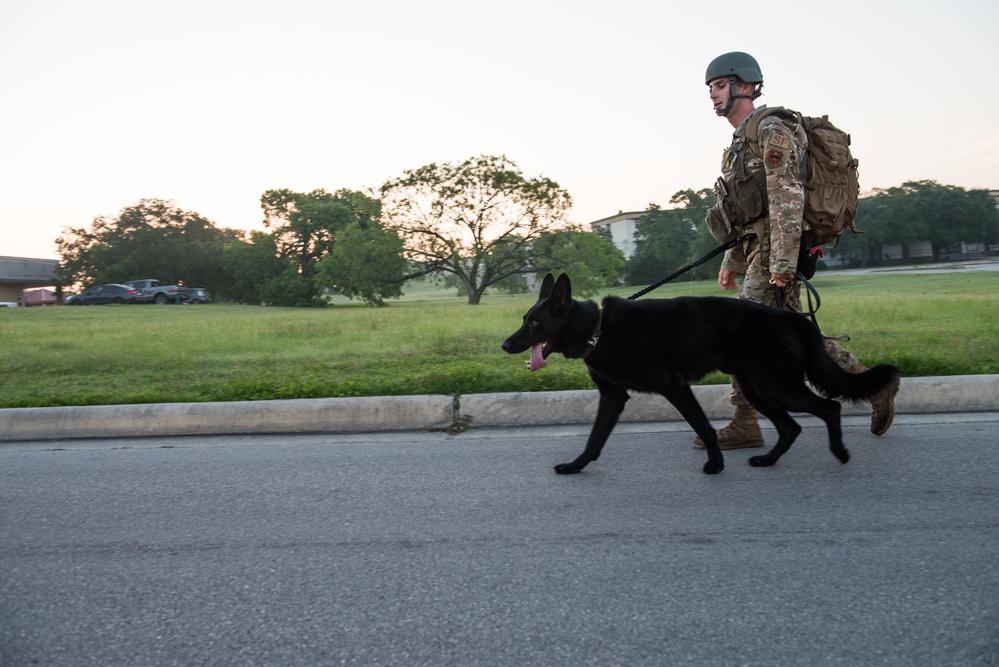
x=778 y=213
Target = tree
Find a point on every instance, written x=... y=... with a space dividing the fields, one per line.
x=591 y=260
x=329 y=229
x=668 y=239
x=476 y=220
x=251 y=269
x=365 y=263
x=152 y=239
x=926 y=211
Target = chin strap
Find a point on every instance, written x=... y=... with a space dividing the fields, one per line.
x=731 y=98
x=757 y=91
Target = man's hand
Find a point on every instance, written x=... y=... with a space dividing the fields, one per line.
x=726 y=279
x=781 y=279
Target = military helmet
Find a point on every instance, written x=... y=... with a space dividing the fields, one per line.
x=735 y=63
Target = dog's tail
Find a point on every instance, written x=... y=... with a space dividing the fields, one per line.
x=834 y=382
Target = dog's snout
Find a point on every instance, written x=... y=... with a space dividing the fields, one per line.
x=511 y=346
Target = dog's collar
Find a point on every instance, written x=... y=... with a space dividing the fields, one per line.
x=591 y=344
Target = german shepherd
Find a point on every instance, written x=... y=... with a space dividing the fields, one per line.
x=658 y=346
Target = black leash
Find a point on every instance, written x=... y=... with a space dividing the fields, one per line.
x=810 y=290
x=679 y=272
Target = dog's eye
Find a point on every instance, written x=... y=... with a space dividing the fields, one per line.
x=532 y=324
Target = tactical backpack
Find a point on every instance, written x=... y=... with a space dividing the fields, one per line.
x=829 y=175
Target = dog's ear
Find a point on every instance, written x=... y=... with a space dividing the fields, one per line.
x=562 y=291
x=546 y=286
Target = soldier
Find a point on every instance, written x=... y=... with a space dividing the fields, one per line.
x=761 y=191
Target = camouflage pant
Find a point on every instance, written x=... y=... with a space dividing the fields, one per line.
x=756 y=287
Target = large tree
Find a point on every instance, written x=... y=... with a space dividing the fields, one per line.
x=321 y=236
x=151 y=239
x=366 y=263
x=944 y=215
x=591 y=260
x=668 y=239
x=252 y=269
x=476 y=220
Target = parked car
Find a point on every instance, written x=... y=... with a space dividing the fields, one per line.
x=198 y=295
x=102 y=294
x=153 y=291
x=8 y=304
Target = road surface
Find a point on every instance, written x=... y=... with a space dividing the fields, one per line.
x=423 y=548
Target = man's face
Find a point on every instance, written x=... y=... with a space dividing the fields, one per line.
x=720 y=92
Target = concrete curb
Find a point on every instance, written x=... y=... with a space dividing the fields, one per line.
x=319 y=415
x=959 y=393
x=963 y=393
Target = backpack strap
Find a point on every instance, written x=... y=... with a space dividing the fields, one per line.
x=753 y=124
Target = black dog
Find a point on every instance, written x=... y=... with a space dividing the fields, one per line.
x=660 y=345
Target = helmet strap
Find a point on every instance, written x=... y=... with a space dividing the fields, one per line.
x=727 y=109
x=732 y=94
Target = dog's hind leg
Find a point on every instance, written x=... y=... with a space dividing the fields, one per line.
x=612 y=400
x=801 y=399
x=829 y=411
x=787 y=429
x=683 y=399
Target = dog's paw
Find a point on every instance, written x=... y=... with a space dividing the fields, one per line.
x=568 y=468
x=761 y=461
x=713 y=468
x=843 y=454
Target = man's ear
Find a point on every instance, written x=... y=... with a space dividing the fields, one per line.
x=562 y=291
x=546 y=286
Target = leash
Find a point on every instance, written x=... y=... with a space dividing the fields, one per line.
x=810 y=290
x=679 y=272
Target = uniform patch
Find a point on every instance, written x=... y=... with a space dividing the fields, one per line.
x=780 y=141
x=775 y=158
x=728 y=160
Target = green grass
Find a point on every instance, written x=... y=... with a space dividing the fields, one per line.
x=427 y=343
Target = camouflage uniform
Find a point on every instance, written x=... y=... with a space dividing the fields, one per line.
x=774 y=249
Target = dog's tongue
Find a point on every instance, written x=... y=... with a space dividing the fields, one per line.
x=537 y=359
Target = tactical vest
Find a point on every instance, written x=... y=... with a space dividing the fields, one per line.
x=742 y=188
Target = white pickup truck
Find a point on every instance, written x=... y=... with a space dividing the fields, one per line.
x=153 y=291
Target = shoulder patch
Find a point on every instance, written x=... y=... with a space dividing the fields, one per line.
x=779 y=142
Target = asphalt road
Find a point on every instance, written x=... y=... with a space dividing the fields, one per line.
x=420 y=548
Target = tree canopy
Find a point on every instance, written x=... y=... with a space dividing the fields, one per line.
x=668 y=239
x=151 y=239
x=591 y=260
x=476 y=220
x=330 y=240
x=944 y=215
x=482 y=222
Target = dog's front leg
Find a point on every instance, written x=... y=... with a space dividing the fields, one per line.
x=612 y=400
x=683 y=399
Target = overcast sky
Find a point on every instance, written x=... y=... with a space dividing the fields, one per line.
x=209 y=104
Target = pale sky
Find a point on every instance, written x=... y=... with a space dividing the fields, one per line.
x=210 y=103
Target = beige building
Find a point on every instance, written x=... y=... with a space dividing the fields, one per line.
x=621 y=228
x=20 y=273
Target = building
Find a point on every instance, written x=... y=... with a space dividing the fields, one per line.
x=621 y=228
x=40 y=297
x=20 y=273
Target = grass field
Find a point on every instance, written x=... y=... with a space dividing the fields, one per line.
x=430 y=342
